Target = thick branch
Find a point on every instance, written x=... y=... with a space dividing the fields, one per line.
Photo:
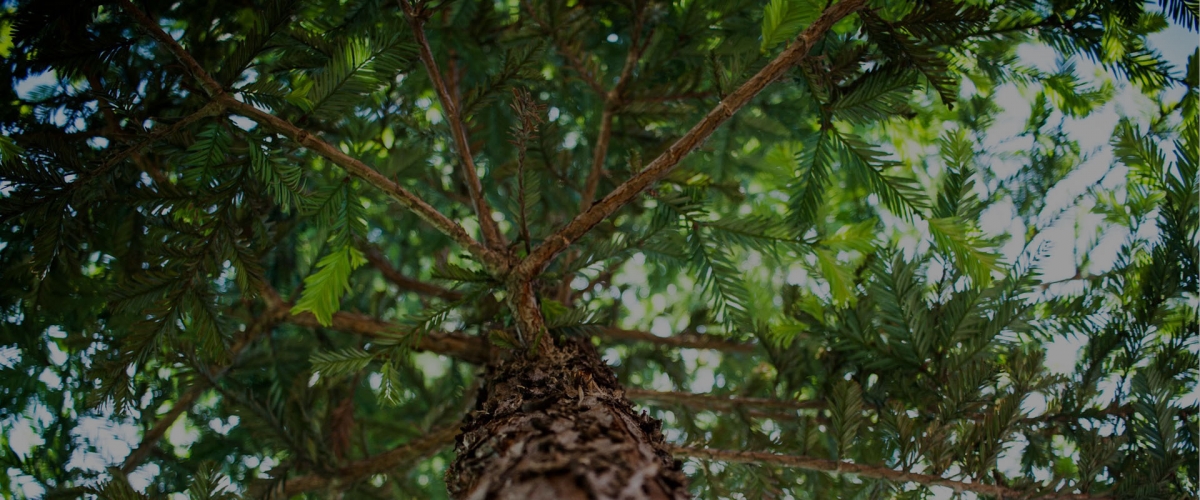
x=688 y=340
x=210 y=84
x=599 y=154
x=720 y=403
x=454 y=344
x=380 y=262
x=473 y=349
x=661 y=166
x=491 y=260
x=409 y=453
x=458 y=129
x=867 y=471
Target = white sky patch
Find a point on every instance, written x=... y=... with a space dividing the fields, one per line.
x=1063 y=352
x=243 y=122
x=182 y=435
x=10 y=355
x=103 y=442
x=432 y=365
x=26 y=87
x=26 y=484
x=21 y=437
x=140 y=478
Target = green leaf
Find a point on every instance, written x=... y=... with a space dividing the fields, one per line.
x=357 y=66
x=323 y=289
x=720 y=278
x=340 y=211
x=845 y=414
x=206 y=484
x=859 y=237
x=840 y=278
x=389 y=384
x=807 y=190
x=900 y=195
x=283 y=180
x=211 y=147
x=877 y=95
x=783 y=19
x=455 y=272
x=969 y=253
x=341 y=362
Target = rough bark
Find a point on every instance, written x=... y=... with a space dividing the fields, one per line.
x=557 y=425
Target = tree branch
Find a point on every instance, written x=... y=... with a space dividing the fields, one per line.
x=492 y=237
x=599 y=155
x=492 y=261
x=411 y=452
x=380 y=262
x=267 y=320
x=573 y=58
x=867 y=471
x=473 y=349
x=613 y=100
x=777 y=408
x=150 y=438
x=207 y=82
x=661 y=166
x=687 y=340
x=213 y=108
x=720 y=403
x=455 y=344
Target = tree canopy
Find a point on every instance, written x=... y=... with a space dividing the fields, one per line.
x=359 y=248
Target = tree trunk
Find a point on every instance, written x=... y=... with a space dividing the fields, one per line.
x=557 y=425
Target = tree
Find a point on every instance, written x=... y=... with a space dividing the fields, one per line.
x=369 y=249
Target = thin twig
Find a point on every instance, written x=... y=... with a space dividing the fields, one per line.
x=788 y=407
x=613 y=100
x=661 y=166
x=150 y=437
x=492 y=236
x=867 y=471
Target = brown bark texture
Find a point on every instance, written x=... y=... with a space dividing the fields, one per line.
x=557 y=425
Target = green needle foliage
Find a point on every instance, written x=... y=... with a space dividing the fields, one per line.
x=888 y=276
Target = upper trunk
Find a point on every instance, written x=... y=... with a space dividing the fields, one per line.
x=558 y=426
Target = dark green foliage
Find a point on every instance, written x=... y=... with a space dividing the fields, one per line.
x=842 y=225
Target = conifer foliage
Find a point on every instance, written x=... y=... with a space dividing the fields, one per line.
x=577 y=249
